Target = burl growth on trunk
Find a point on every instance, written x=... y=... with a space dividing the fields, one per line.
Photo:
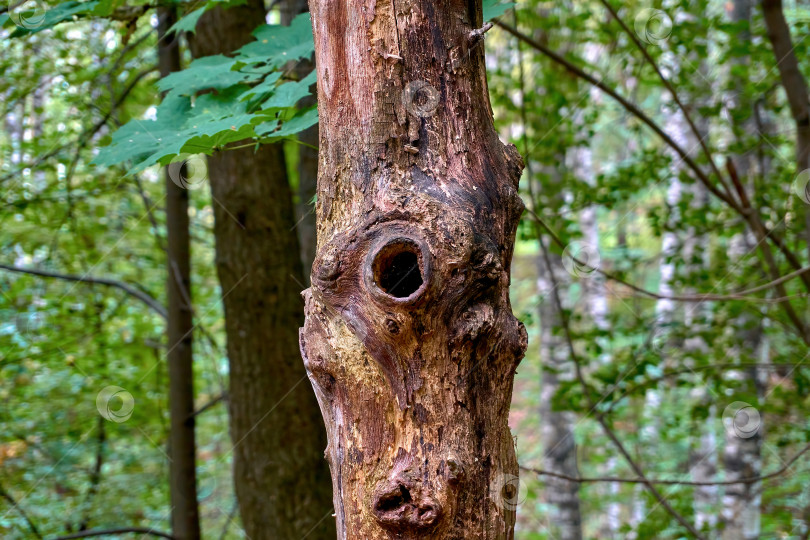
x=409 y=340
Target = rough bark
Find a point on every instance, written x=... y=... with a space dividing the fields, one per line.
x=409 y=341
x=281 y=479
x=180 y=328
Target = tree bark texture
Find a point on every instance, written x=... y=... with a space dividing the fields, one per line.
x=409 y=341
x=281 y=479
x=180 y=327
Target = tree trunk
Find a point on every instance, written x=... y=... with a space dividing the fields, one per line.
x=795 y=87
x=410 y=341
x=742 y=455
x=180 y=327
x=281 y=479
x=557 y=434
x=307 y=158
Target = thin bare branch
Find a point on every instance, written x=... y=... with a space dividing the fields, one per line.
x=110 y=532
x=129 y=289
x=748 y=480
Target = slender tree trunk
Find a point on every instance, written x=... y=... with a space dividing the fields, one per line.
x=556 y=432
x=409 y=340
x=703 y=458
x=180 y=329
x=281 y=479
x=557 y=435
x=742 y=457
x=594 y=297
x=795 y=86
x=307 y=158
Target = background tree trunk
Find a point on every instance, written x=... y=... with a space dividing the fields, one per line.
x=410 y=341
x=281 y=478
x=180 y=327
x=557 y=434
x=307 y=158
x=794 y=84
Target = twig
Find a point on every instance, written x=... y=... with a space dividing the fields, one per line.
x=748 y=480
x=630 y=107
x=672 y=91
x=13 y=502
x=221 y=397
x=129 y=289
x=742 y=295
x=109 y=532
x=638 y=113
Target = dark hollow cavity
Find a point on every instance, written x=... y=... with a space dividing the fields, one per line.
x=398 y=273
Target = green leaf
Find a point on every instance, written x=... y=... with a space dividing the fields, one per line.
x=276 y=45
x=296 y=124
x=30 y=20
x=494 y=8
x=188 y=22
x=290 y=93
x=205 y=73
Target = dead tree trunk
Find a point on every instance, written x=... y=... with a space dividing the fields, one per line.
x=180 y=328
x=409 y=340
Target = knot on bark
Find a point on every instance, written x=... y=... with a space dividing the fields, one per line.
x=401 y=505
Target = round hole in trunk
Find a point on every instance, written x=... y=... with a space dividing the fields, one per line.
x=397 y=269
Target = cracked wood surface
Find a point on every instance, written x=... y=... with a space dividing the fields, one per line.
x=409 y=339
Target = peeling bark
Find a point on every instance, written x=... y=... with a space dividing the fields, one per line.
x=409 y=340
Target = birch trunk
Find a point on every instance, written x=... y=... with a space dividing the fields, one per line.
x=557 y=434
x=409 y=340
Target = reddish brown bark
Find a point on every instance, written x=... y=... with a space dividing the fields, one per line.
x=410 y=341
